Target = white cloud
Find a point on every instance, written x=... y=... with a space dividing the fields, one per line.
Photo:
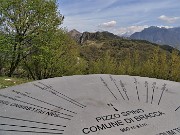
x=108 y=24
x=130 y=30
x=168 y=19
x=167 y=27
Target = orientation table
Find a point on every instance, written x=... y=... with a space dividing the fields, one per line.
x=100 y=104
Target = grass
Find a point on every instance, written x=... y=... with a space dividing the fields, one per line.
x=10 y=81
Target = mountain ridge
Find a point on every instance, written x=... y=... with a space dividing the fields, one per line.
x=82 y=37
x=162 y=36
x=101 y=37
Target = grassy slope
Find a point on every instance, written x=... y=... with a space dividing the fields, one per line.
x=7 y=81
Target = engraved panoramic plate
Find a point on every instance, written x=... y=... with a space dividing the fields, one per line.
x=91 y=105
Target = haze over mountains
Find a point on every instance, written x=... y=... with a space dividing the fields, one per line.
x=162 y=36
x=99 y=38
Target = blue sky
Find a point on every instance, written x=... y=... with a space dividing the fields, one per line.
x=119 y=16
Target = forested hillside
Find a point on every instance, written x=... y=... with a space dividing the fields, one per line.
x=34 y=46
x=132 y=57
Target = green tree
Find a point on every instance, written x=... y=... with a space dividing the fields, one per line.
x=174 y=72
x=55 y=56
x=108 y=64
x=151 y=67
x=155 y=63
x=104 y=65
x=136 y=63
x=24 y=21
x=126 y=66
x=163 y=65
x=95 y=67
x=3 y=52
x=147 y=68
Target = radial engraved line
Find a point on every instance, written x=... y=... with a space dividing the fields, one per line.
x=154 y=85
x=49 y=103
x=54 y=93
x=36 y=106
x=29 y=132
x=30 y=121
x=124 y=89
x=42 y=101
x=146 y=85
x=177 y=108
x=50 y=87
x=31 y=127
x=108 y=88
x=112 y=79
x=163 y=89
x=137 y=88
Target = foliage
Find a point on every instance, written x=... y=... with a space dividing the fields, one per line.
x=55 y=57
x=104 y=65
x=32 y=45
x=4 y=49
x=174 y=70
x=9 y=81
x=23 y=21
x=132 y=58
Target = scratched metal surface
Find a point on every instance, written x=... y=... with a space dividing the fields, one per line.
x=91 y=105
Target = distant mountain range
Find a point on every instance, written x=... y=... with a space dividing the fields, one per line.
x=162 y=36
x=99 y=38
